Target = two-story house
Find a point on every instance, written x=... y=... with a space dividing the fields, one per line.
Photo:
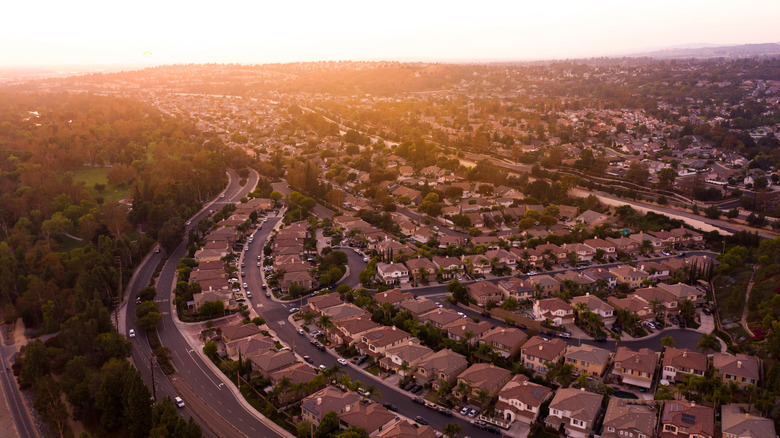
x=741 y=368
x=375 y=342
x=681 y=419
x=626 y=419
x=681 y=361
x=595 y=305
x=443 y=366
x=546 y=284
x=587 y=359
x=516 y=288
x=328 y=399
x=738 y=423
x=505 y=341
x=629 y=275
x=535 y=353
x=574 y=411
x=635 y=368
x=555 y=309
x=403 y=358
x=520 y=399
x=484 y=291
x=392 y=273
x=482 y=377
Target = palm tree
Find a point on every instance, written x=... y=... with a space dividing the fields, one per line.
x=646 y=246
x=616 y=337
x=708 y=342
x=452 y=430
x=580 y=308
x=326 y=321
x=668 y=341
x=656 y=304
x=483 y=395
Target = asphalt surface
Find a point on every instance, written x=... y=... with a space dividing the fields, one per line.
x=215 y=402
x=16 y=405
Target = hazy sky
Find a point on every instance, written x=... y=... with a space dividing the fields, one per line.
x=49 y=32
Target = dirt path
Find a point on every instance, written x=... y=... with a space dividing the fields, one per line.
x=743 y=321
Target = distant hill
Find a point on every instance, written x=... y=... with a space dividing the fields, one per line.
x=712 y=51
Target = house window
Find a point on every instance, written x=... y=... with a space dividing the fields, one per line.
x=611 y=429
x=670 y=428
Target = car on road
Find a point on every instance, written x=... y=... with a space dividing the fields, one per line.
x=521 y=326
x=342 y=361
x=131 y=333
x=666 y=253
x=249 y=294
x=365 y=259
x=390 y=407
x=258 y=264
x=245 y=286
x=138 y=300
x=418 y=400
x=179 y=402
x=156 y=250
x=421 y=420
x=435 y=228
x=565 y=335
x=600 y=339
x=323 y=368
x=294 y=310
x=301 y=332
x=307 y=359
x=189 y=222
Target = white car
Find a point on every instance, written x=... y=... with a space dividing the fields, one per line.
x=245 y=286
x=294 y=310
x=365 y=259
x=131 y=333
x=179 y=402
x=342 y=361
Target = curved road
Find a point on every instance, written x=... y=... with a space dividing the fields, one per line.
x=195 y=381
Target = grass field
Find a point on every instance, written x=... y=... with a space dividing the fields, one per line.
x=91 y=175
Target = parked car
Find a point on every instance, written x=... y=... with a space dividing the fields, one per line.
x=421 y=420
x=323 y=368
x=706 y=311
x=341 y=361
x=493 y=430
x=417 y=389
x=418 y=400
x=409 y=386
x=600 y=339
x=361 y=360
x=565 y=335
x=249 y=294
x=520 y=326
x=307 y=359
x=390 y=407
x=473 y=412
x=301 y=332
x=294 y=310
x=446 y=412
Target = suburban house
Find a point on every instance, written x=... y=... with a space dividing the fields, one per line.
x=443 y=366
x=624 y=244
x=405 y=429
x=633 y=304
x=504 y=257
x=590 y=217
x=321 y=302
x=448 y=266
x=681 y=361
x=505 y=341
x=302 y=279
x=372 y=418
x=626 y=419
x=465 y=327
x=238 y=331
x=329 y=399
x=635 y=368
x=681 y=419
x=574 y=411
x=653 y=293
x=546 y=284
x=609 y=279
x=554 y=309
x=394 y=297
x=587 y=359
x=520 y=399
x=483 y=292
x=376 y=341
x=682 y=292
x=422 y=269
x=440 y=317
x=482 y=376
x=737 y=423
x=517 y=289
x=538 y=351
x=344 y=311
x=418 y=306
x=248 y=345
x=595 y=305
x=392 y=273
x=583 y=252
x=349 y=331
x=741 y=368
x=641 y=237
x=267 y=362
x=296 y=374
x=600 y=244
x=404 y=357
x=630 y=275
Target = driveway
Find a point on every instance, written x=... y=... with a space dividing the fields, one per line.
x=707 y=323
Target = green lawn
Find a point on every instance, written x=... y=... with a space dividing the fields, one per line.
x=91 y=175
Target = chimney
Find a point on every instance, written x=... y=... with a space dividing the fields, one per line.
x=685 y=353
x=319 y=401
x=693 y=404
x=747 y=415
x=463 y=327
x=636 y=358
x=541 y=347
x=739 y=364
x=582 y=389
x=393 y=327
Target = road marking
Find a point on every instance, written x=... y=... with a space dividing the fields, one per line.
x=280 y=322
x=258 y=305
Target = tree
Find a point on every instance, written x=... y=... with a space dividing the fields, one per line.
x=49 y=404
x=667 y=341
x=212 y=309
x=666 y=177
x=328 y=425
x=637 y=173
x=708 y=342
x=452 y=430
x=304 y=429
x=210 y=349
x=150 y=321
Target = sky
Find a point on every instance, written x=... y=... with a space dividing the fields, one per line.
x=144 y=32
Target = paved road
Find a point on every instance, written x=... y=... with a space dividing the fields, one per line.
x=215 y=401
x=16 y=405
x=276 y=316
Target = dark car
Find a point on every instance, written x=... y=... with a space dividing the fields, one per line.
x=682 y=323
x=521 y=326
x=418 y=400
x=421 y=420
x=390 y=407
x=493 y=430
x=616 y=329
x=706 y=311
x=308 y=359
x=361 y=360
x=600 y=339
x=417 y=389
x=446 y=412
x=479 y=424
x=409 y=386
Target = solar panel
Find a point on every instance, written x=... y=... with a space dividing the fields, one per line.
x=688 y=418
